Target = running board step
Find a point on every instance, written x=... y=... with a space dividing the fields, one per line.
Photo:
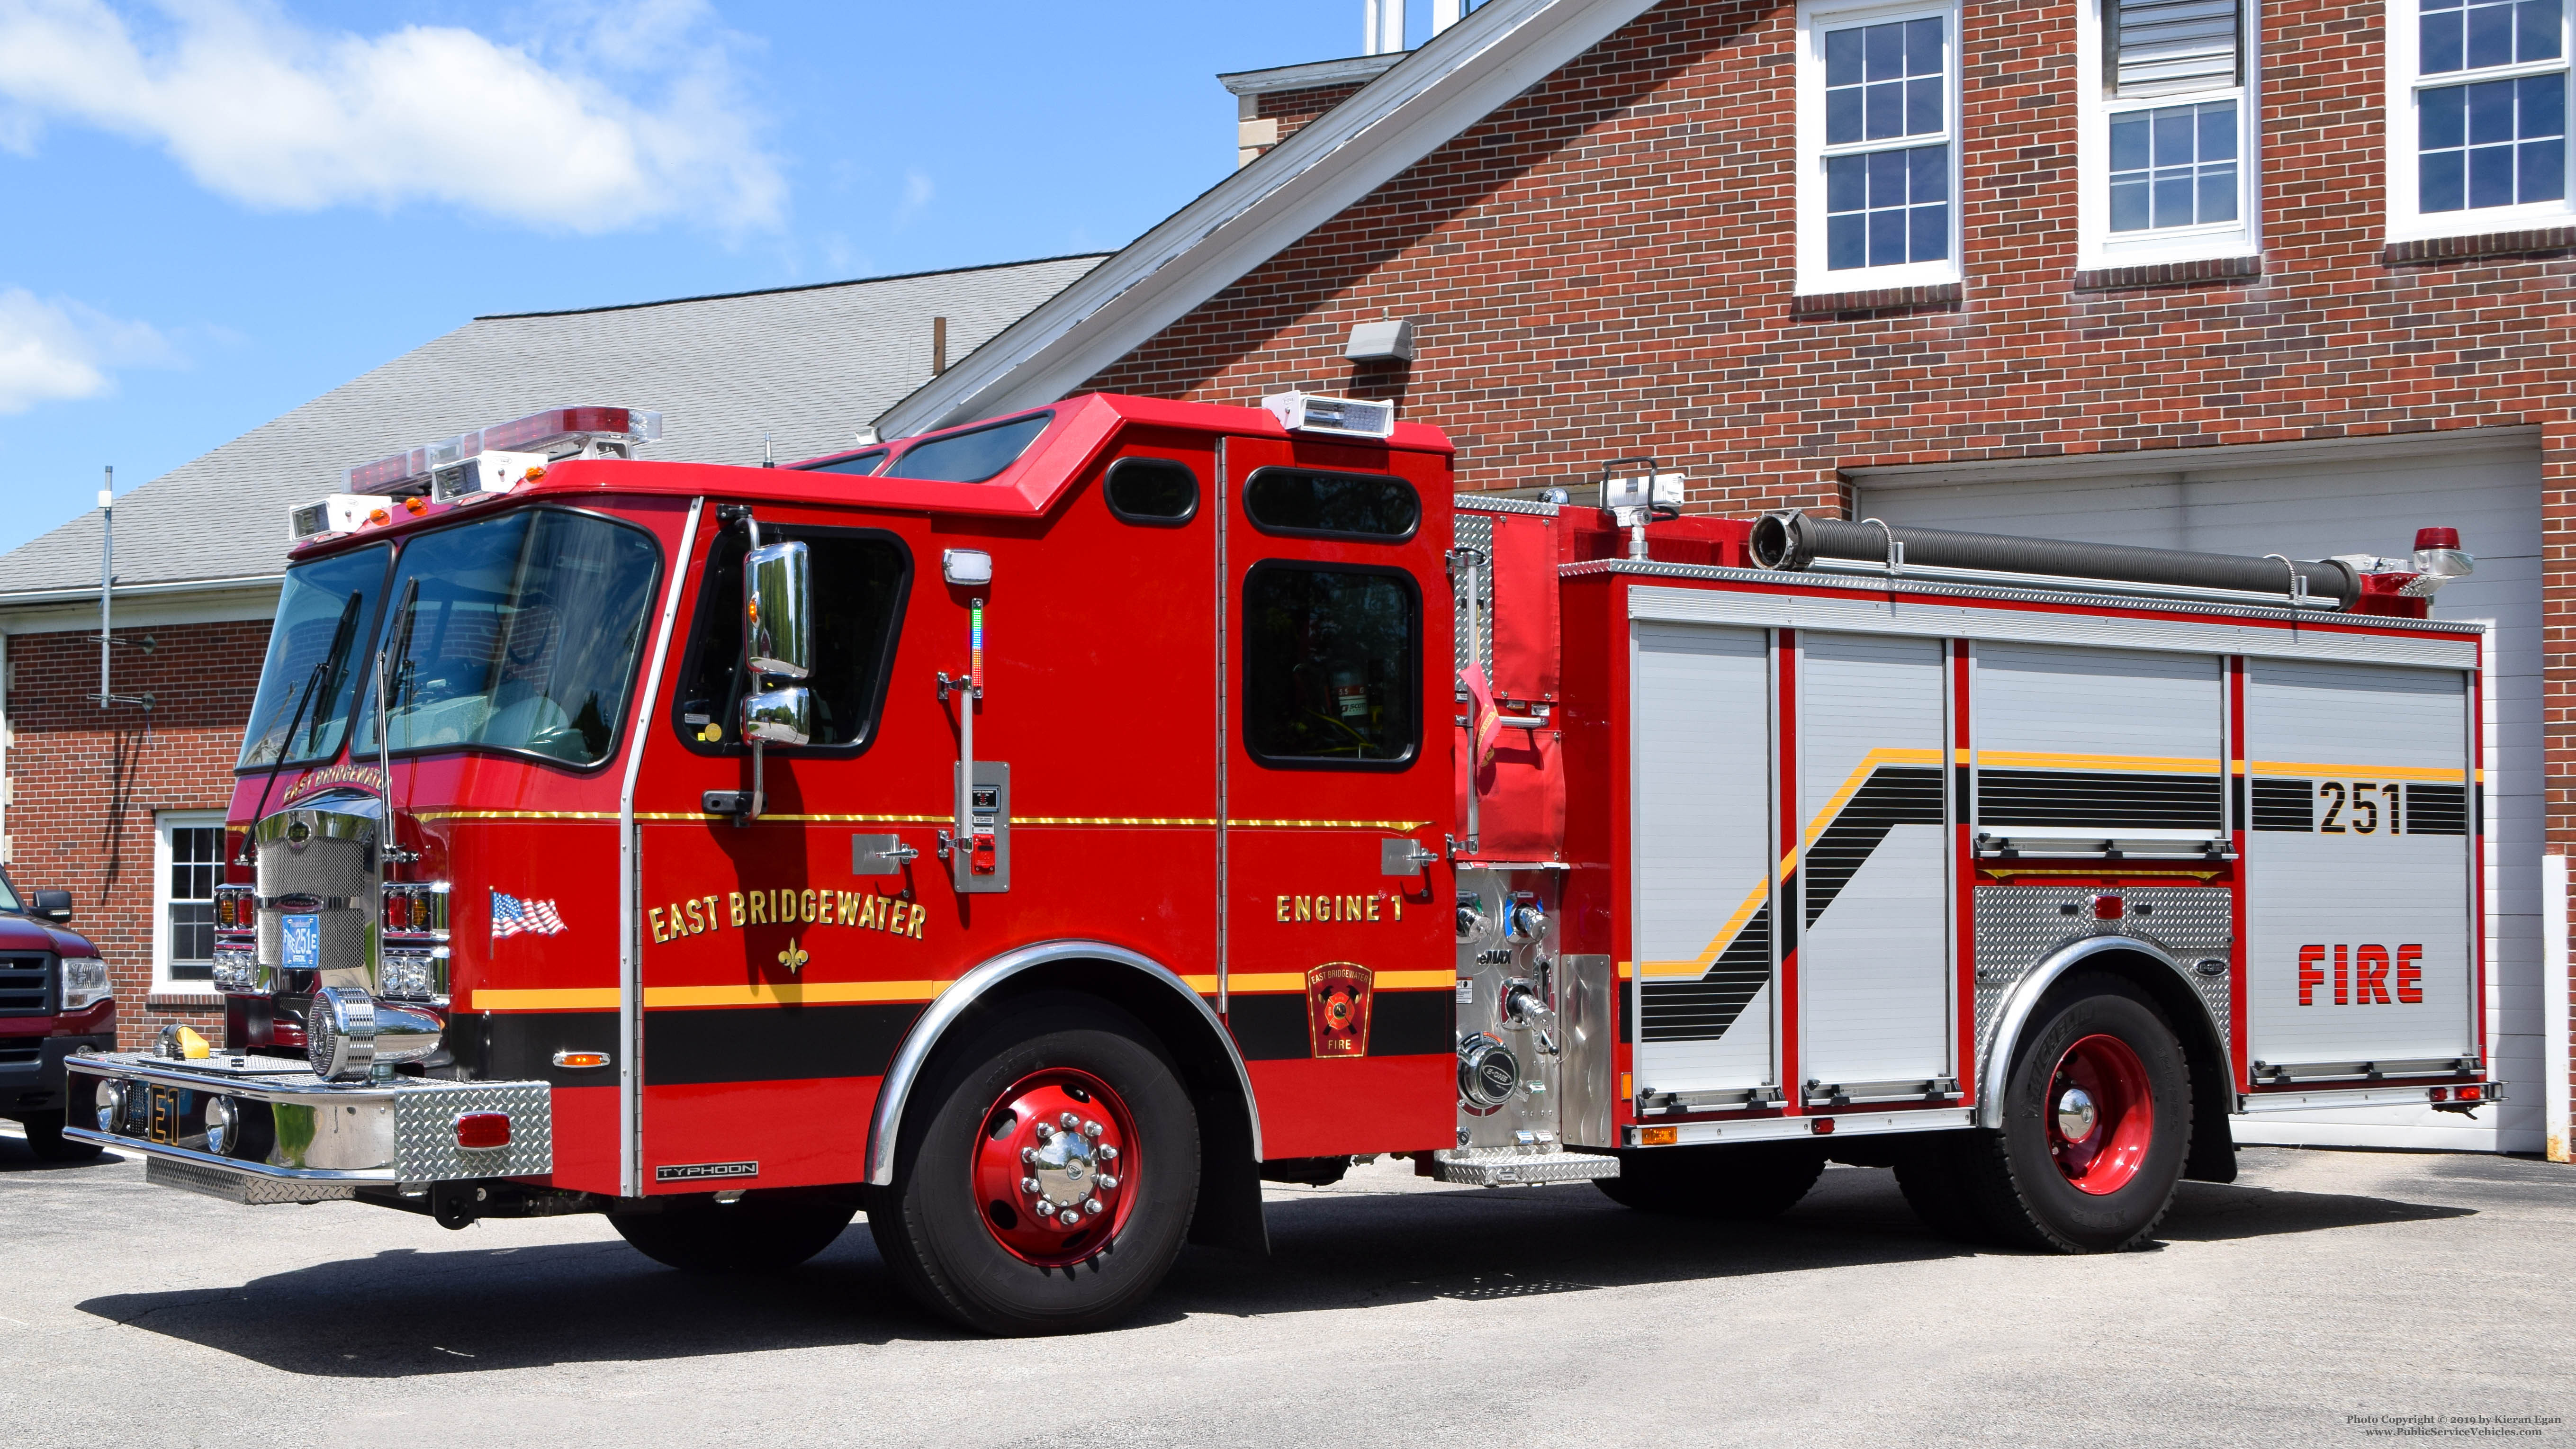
x=1516 y=1167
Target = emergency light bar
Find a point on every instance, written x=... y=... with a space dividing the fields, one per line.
x=335 y=513
x=1349 y=417
x=440 y=469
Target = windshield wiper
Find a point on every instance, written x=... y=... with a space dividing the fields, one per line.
x=325 y=674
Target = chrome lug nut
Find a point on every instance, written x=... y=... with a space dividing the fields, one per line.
x=1045 y=1131
x=1070 y=1121
x=1108 y=1184
x=1070 y=1218
x=1091 y=1205
x=1028 y=1154
x=1091 y=1129
x=1108 y=1153
x=1029 y=1185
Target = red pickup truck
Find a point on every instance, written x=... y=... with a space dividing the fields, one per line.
x=54 y=1002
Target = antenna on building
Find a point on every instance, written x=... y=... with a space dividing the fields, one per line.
x=766 y=461
x=107 y=640
x=938 y=345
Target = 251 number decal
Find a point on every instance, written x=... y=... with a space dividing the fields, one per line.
x=2357 y=808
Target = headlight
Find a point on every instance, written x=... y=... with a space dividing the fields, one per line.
x=84 y=982
x=412 y=976
x=237 y=971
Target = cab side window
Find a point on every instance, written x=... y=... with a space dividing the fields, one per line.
x=861 y=579
x=1332 y=666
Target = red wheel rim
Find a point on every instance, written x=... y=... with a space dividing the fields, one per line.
x=1054 y=1142
x=2101 y=1115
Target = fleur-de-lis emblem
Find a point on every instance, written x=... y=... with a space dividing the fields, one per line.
x=794 y=957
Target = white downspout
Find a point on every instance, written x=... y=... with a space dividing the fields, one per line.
x=2554 y=1056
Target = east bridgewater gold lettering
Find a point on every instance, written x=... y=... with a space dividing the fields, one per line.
x=788 y=906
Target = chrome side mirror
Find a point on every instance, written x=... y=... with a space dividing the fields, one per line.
x=777 y=611
x=779 y=716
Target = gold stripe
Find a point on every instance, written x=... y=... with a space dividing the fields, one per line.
x=578 y=998
x=1761 y=893
x=1266 y=982
x=2044 y=760
x=1203 y=822
x=2374 y=772
x=792 y=993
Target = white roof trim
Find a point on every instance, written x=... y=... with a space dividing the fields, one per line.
x=1454 y=80
x=1314 y=74
x=2177 y=462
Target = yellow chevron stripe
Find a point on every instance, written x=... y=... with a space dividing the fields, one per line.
x=2113 y=764
x=2365 y=772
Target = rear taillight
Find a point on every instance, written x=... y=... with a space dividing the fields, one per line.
x=235 y=909
x=483 y=1130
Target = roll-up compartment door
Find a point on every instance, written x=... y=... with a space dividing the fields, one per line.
x=2119 y=741
x=1874 y=974
x=2357 y=865
x=1701 y=780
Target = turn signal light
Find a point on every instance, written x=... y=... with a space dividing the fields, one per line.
x=581 y=1060
x=483 y=1130
x=2442 y=1094
x=1658 y=1136
x=2471 y=1094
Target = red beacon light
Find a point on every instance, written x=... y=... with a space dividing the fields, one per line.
x=487 y=462
x=2404 y=588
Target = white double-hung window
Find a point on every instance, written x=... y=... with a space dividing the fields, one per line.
x=2478 y=108
x=2167 y=159
x=1877 y=147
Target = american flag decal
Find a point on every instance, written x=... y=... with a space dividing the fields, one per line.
x=512 y=916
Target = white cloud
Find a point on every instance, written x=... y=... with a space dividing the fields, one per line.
x=916 y=198
x=60 y=351
x=634 y=119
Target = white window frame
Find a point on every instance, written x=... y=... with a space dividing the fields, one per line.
x=2405 y=221
x=2098 y=246
x=1813 y=21
x=163 y=822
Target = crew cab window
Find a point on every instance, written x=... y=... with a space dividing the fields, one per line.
x=970 y=457
x=867 y=462
x=1308 y=503
x=1152 y=491
x=861 y=578
x=1332 y=667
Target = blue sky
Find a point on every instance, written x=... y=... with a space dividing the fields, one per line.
x=218 y=209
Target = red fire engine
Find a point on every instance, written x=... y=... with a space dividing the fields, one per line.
x=1038 y=833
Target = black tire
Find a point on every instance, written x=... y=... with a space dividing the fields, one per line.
x=702 y=1235
x=1751 y=1183
x=45 y=1138
x=2011 y=1179
x=932 y=1232
x=1930 y=1176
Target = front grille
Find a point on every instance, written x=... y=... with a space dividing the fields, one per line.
x=26 y=985
x=14 y=1055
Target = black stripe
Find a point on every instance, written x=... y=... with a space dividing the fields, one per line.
x=1271 y=1027
x=2284 y=805
x=520 y=1046
x=1704 y=1008
x=1962 y=797
x=773 y=1043
x=2097 y=800
x=2236 y=802
x=2436 y=810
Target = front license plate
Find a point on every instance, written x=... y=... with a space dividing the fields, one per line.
x=300 y=942
x=163 y=1125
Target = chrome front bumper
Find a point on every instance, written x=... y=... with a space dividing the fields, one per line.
x=330 y=1138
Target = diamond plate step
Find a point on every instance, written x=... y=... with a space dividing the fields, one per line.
x=1513 y=1167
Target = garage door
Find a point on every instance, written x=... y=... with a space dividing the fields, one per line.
x=2362 y=498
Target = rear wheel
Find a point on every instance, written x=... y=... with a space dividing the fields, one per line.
x=45 y=1138
x=1046 y=1174
x=1734 y=1184
x=749 y=1236
x=2097 y=1120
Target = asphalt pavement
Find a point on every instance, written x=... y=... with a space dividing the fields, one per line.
x=2325 y=1298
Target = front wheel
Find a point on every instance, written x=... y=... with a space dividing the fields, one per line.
x=45 y=1138
x=1046 y=1174
x=752 y=1235
x=2097 y=1120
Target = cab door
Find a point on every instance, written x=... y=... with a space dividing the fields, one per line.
x=1336 y=975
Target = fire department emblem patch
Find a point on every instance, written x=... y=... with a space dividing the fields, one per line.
x=1337 y=1009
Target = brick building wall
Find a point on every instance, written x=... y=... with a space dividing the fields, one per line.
x=1605 y=266
x=89 y=782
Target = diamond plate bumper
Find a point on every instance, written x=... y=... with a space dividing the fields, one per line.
x=330 y=1138
x=1510 y=1167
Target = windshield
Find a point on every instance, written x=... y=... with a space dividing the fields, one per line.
x=516 y=633
x=9 y=894
x=323 y=613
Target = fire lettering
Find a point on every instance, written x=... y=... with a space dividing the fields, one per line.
x=2362 y=974
x=1334 y=908
x=787 y=906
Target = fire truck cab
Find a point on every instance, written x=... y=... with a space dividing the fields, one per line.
x=1037 y=833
